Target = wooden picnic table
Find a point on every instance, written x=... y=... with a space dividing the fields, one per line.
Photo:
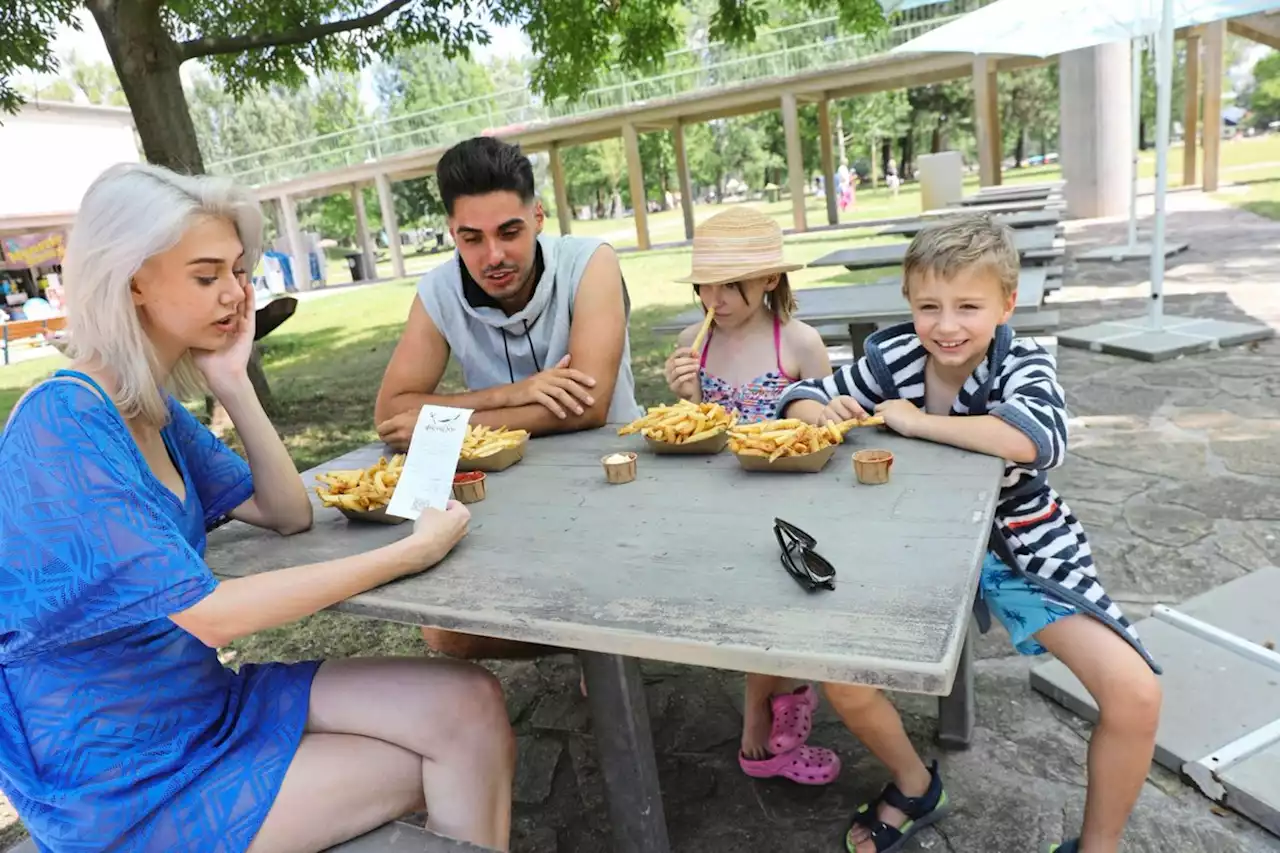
x=891 y=254
x=859 y=309
x=878 y=302
x=1018 y=221
x=1050 y=186
x=1014 y=193
x=557 y=556
x=997 y=205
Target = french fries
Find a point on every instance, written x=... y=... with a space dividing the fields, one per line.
x=365 y=489
x=681 y=423
x=702 y=333
x=773 y=440
x=482 y=441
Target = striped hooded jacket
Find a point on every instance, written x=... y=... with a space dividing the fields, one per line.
x=1034 y=532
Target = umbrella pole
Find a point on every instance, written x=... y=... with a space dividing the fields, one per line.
x=1164 y=86
x=1135 y=48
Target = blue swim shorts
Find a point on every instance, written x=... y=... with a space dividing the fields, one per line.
x=1023 y=608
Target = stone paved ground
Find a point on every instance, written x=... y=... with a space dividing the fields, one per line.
x=1175 y=472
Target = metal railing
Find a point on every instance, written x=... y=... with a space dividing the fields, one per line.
x=776 y=53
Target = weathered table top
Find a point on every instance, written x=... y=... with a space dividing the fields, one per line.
x=1010 y=193
x=682 y=565
x=881 y=301
x=996 y=204
x=891 y=254
x=1017 y=221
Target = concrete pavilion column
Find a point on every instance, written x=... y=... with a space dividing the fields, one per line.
x=563 y=214
x=1191 y=110
x=795 y=160
x=363 y=237
x=387 y=205
x=635 y=170
x=827 y=154
x=986 y=105
x=1096 y=136
x=1215 y=37
x=682 y=177
x=297 y=249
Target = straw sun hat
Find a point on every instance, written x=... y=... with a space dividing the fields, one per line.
x=738 y=244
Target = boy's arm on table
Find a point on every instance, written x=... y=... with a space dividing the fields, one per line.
x=1027 y=426
x=809 y=398
x=596 y=341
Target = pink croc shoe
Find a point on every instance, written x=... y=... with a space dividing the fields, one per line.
x=792 y=719
x=805 y=765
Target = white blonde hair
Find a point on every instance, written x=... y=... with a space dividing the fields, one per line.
x=132 y=212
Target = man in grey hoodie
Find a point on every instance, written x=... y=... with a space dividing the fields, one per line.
x=537 y=323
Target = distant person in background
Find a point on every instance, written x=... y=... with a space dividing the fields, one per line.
x=891 y=176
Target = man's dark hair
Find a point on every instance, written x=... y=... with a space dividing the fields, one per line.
x=483 y=165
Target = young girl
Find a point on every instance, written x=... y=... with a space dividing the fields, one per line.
x=752 y=353
x=119 y=727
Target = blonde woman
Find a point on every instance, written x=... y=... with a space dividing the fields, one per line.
x=119 y=728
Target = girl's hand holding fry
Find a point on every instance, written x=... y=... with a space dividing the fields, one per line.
x=681 y=373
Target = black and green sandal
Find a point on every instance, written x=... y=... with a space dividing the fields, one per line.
x=924 y=810
x=1072 y=846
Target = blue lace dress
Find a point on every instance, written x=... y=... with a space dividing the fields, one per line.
x=119 y=730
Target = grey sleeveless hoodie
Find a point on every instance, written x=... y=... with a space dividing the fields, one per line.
x=494 y=349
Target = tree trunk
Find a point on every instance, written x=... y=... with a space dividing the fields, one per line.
x=935 y=142
x=1044 y=146
x=886 y=154
x=146 y=60
x=1020 y=151
x=907 y=168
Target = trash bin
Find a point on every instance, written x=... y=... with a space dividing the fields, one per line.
x=355 y=263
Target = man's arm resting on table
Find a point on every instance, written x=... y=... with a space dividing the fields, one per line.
x=415 y=369
x=595 y=348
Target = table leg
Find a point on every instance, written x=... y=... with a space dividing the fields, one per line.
x=620 y=722
x=955 y=712
x=858 y=333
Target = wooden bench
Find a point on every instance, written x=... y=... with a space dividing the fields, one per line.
x=20 y=330
x=395 y=837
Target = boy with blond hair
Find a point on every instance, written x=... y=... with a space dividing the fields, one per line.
x=957 y=375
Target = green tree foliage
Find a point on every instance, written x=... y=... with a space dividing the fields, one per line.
x=1029 y=110
x=255 y=43
x=1262 y=97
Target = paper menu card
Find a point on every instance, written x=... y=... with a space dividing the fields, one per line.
x=427 y=477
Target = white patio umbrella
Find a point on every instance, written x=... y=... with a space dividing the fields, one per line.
x=1050 y=27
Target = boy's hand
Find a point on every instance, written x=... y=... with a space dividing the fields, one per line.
x=901 y=416
x=842 y=409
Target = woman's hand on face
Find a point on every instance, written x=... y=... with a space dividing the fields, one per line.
x=228 y=364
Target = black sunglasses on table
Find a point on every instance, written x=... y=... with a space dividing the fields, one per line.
x=810 y=569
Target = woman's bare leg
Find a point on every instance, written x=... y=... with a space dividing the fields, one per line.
x=448 y=716
x=337 y=788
